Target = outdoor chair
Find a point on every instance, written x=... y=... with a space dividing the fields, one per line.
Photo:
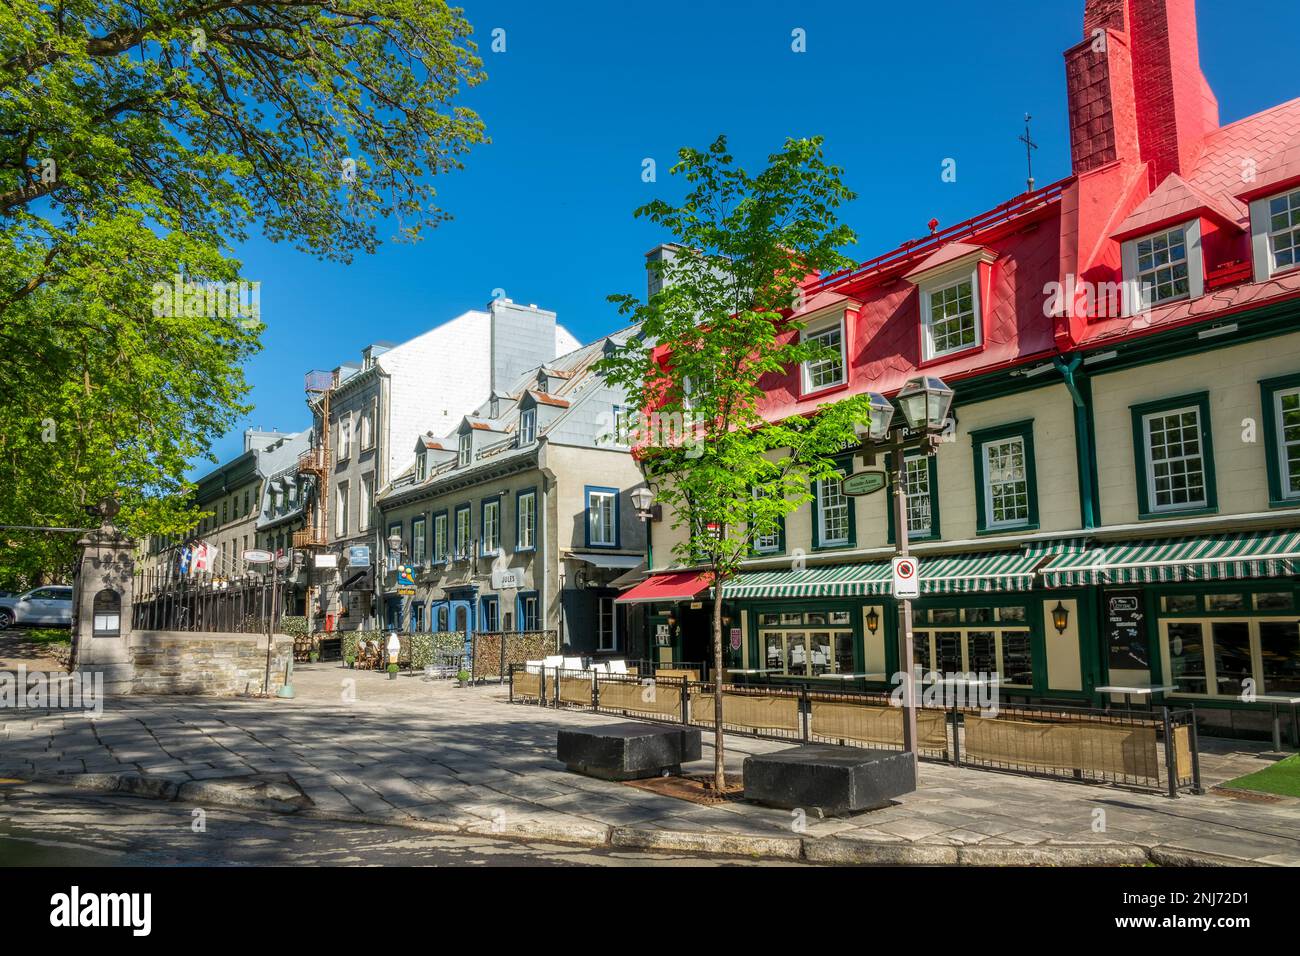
x=617 y=667
x=532 y=667
x=573 y=663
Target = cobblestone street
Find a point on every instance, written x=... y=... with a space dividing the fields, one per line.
x=362 y=748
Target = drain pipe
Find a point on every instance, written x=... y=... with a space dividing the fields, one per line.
x=1082 y=436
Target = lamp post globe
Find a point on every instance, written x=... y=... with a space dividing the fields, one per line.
x=641 y=499
x=925 y=401
x=882 y=414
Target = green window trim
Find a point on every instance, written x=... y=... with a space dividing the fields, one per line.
x=1268 y=389
x=845 y=466
x=935 y=534
x=1024 y=430
x=1201 y=400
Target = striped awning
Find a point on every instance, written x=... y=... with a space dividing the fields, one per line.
x=1223 y=557
x=961 y=573
x=844 y=580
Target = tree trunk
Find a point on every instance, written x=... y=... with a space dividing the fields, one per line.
x=719 y=756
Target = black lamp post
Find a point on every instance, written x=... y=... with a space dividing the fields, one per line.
x=924 y=402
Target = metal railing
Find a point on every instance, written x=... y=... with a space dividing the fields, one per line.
x=246 y=606
x=1153 y=750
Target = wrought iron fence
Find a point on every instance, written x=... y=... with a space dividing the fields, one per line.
x=247 y=605
x=1156 y=749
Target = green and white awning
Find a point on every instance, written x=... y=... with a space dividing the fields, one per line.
x=844 y=580
x=1223 y=557
x=962 y=573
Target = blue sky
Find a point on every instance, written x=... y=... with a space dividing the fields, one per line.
x=584 y=92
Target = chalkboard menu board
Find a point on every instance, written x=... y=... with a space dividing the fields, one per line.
x=1126 y=637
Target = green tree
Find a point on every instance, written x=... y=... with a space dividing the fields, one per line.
x=720 y=328
x=142 y=140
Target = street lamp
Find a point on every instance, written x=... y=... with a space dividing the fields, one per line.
x=924 y=402
x=1060 y=618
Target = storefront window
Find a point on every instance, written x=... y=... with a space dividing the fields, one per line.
x=1186 y=657
x=803 y=650
x=1213 y=648
x=971 y=640
x=1279 y=647
x=1225 y=602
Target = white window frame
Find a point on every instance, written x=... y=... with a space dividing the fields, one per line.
x=929 y=288
x=990 y=520
x=1148 y=464
x=604 y=644
x=465 y=449
x=367 y=501
x=419 y=539
x=440 y=528
x=491 y=537
x=610 y=538
x=368 y=426
x=1134 y=303
x=822 y=540
x=341 y=503
x=421 y=466
x=345 y=437
x=816 y=329
x=923 y=462
x=527 y=426
x=524 y=613
x=463 y=547
x=526 y=520
x=1263 y=237
x=1279 y=437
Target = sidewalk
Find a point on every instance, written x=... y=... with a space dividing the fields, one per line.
x=443 y=758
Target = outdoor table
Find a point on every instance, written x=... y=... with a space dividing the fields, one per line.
x=1130 y=692
x=1277 y=702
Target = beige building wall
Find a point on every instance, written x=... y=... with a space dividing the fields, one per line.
x=1231 y=376
x=1052 y=412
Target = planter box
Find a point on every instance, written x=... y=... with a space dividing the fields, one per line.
x=831 y=780
x=628 y=751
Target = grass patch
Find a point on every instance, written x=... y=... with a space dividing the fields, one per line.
x=47 y=635
x=1281 y=778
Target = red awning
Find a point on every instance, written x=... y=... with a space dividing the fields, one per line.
x=676 y=586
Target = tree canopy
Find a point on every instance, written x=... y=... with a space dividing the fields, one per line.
x=142 y=141
x=723 y=324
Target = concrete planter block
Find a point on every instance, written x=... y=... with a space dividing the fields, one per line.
x=629 y=751
x=829 y=780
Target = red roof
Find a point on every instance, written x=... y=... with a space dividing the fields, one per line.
x=543 y=399
x=1282 y=171
x=1174 y=201
x=949 y=253
x=673 y=586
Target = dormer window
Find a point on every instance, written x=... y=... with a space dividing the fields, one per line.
x=1284 y=231
x=421 y=466
x=953 y=283
x=827 y=370
x=527 y=426
x=1163 y=267
x=465 y=449
x=951 y=317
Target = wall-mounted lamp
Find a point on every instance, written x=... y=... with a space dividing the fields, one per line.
x=1060 y=618
x=873 y=620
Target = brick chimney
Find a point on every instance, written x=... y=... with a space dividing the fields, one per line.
x=1135 y=87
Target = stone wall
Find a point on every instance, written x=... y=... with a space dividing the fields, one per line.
x=210 y=664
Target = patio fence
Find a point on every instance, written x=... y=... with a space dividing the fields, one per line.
x=1154 y=750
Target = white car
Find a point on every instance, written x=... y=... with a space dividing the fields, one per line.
x=51 y=604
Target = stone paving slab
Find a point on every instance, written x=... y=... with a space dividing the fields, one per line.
x=418 y=752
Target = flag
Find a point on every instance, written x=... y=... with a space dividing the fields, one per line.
x=186 y=555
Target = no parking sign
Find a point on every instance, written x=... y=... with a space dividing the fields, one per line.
x=907 y=578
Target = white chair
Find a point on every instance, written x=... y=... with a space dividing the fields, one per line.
x=532 y=667
x=617 y=667
x=599 y=668
x=573 y=663
x=553 y=661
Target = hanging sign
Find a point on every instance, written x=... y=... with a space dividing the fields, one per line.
x=257 y=556
x=907 y=578
x=863 y=483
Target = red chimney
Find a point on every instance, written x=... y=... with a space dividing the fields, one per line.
x=1136 y=91
x=1175 y=107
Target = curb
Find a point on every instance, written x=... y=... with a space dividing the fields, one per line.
x=831 y=850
